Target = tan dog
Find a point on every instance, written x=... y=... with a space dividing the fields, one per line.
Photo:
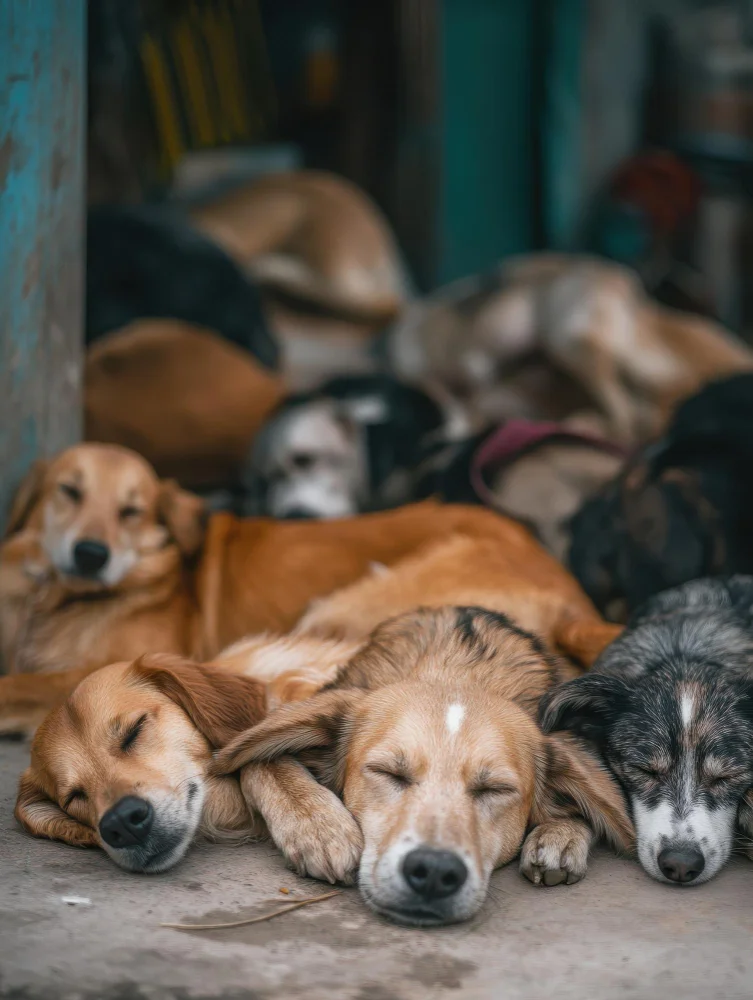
x=104 y=562
x=590 y=323
x=315 y=238
x=120 y=766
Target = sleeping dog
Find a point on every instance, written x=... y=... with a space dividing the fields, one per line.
x=448 y=772
x=103 y=561
x=547 y=335
x=679 y=511
x=670 y=705
x=350 y=446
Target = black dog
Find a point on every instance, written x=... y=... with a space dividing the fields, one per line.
x=670 y=706
x=146 y=261
x=682 y=510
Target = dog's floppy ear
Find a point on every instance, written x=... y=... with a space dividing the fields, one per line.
x=219 y=704
x=585 y=640
x=571 y=782
x=319 y=722
x=184 y=515
x=586 y=706
x=26 y=497
x=41 y=817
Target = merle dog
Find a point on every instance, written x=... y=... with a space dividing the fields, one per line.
x=680 y=511
x=670 y=706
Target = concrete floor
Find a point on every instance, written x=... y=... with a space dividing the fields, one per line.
x=617 y=934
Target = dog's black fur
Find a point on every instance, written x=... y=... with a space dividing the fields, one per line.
x=681 y=510
x=670 y=706
x=148 y=262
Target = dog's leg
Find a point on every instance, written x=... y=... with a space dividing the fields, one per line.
x=556 y=851
x=307 y=822
x=25 y=699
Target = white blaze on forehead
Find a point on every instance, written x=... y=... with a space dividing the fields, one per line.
x=454 y=718
x=687 y=708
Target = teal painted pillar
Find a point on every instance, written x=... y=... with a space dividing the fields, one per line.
x=488 y=139
x=42 y=171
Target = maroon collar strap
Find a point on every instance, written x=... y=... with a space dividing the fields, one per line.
x=516 y=437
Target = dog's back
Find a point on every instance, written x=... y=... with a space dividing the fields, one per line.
x=705 y=624
x=681 y=510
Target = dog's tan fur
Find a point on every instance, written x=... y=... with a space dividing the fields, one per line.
x=314 y=237
x=77 y=747
x=192 y=588
x=593 y=326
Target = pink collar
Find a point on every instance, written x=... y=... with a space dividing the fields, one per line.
x=515 y=437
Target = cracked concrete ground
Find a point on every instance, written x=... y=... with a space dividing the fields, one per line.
x=617 y=934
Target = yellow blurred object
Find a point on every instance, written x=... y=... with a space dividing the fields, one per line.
x=207 y=77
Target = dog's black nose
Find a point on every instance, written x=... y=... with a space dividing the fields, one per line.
x=127 y=823
x=681 y=864
x=298 y=514
x=434 y=874
x=89 y=557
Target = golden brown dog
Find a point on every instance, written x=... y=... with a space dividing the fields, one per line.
x=314 y=237
x=104 y=562
x=126 y=762
x=605 y=346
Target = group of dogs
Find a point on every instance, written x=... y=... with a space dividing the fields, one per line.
x=395 y=683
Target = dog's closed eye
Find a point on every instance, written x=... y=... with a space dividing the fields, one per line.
x=77 y=795
x=492 y=790
x=397 y=776
x=654 y=772
x=302 y=461
x=716 y=776
x=132 y=734
x=129 y=512
x=70 y=491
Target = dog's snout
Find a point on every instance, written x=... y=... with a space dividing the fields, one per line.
x=127 y=823
x=681 y=864
x=434 y=874
x=90 y=556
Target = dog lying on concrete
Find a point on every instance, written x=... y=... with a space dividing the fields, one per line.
x=669 y=704
x=429 y=732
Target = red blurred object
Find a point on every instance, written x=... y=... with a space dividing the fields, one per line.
x=665 y=188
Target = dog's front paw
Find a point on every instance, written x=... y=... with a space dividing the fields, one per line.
x=555 y=853
x=327 y=847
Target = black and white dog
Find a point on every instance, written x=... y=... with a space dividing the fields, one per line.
x=670 y=705
x=350 y=446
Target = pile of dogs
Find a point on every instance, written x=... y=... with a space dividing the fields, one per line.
x=357 y=657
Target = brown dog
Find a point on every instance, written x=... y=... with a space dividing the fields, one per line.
x=126 y=762
x=105 y=562
x=315 y=238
